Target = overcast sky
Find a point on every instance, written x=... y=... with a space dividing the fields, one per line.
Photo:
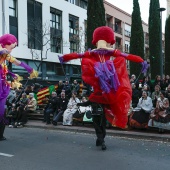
x=127 y=5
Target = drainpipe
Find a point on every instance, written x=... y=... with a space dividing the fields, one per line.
x=3 y=17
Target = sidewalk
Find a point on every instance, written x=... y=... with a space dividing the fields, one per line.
x=140 y=134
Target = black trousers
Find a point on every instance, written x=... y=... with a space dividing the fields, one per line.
x=99 y=122
x=2 y=128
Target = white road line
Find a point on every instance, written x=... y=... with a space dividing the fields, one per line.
x=5 y=154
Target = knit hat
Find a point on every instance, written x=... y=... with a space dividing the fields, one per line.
x=103 y=33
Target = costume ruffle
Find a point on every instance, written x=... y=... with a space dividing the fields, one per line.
x=107 y=76
x=4 y=91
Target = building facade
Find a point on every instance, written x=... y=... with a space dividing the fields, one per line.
x=45 y=29
x=168 y=8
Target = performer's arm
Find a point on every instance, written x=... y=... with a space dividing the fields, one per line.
x=130 y=57
x=68 y=57
x=31 y=71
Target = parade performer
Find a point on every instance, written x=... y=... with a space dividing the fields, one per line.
x=105 y=70
x=7 y=43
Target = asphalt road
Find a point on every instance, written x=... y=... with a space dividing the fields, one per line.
x=38 y=149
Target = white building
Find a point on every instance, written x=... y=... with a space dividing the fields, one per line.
x=61 y=23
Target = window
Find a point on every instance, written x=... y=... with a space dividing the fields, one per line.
x=56 y=30
x=34 y=12
x=76 y=69
x=71 y=1
x=51 y=68
x=73 y=24
x=74 y=33
x=61 y=70
x=127 y=45
x=83 y=4
x=73 y=47
x=12 y=8
x=56 y=17
x=13 y=19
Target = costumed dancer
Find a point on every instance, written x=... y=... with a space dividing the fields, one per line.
x=7 y=43
x=105 y=70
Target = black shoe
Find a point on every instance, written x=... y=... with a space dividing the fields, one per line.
x=104 y=146
x=48 y=123
x=54 y=123
x=3 y=138
x=98 y=142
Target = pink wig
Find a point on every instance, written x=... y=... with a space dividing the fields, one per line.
x=7 y=39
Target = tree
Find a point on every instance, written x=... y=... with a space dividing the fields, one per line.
x=137 y=37
x=167 y=45
x=95 y=18
x=42 y=38
x=154 y=37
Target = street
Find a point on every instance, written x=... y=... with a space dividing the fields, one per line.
x=39 y=149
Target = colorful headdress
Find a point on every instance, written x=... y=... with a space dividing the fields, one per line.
x=103 y=33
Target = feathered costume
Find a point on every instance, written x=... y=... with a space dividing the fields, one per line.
x=9 y=39
x=105 y=70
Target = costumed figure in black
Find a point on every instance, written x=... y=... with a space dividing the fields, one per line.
x=99 y=121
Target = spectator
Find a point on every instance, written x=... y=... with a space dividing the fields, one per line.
x=135 y=95
x=160 y=116
x=67 y=88
x=167 y=93
x=147 y=89
x=155 y=95
x=86 y=89
x=29 y=108
x=158 y=81
x=62 y=106
x=82 y=110
x=51 y=107
x=167 y=80
x=12 y=115
x=60 y=87
x=21 y=105
x=28 y=89
x=75 y=87
x=133 y=80
x=140 y=115
x=146 y=81
x=10 y=98
x=71 y=109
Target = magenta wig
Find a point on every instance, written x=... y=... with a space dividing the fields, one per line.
x=7 y=39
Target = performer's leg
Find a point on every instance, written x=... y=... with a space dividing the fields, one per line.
x=2 y=128
x=99 y=125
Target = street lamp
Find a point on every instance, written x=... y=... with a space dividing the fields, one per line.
x=161 y=57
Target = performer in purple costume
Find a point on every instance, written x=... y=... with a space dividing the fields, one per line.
x=7 y=43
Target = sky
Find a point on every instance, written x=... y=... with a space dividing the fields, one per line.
x=127 y=5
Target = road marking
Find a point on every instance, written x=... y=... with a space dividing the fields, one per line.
x=5 y=154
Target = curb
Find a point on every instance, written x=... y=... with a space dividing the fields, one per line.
x=109 y=132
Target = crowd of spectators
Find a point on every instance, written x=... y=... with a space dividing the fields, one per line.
x=150 y=102
x=62 y=103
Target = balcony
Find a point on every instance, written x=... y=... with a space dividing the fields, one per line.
x=117 y=29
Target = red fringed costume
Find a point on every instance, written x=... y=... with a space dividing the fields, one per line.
x=105 y=70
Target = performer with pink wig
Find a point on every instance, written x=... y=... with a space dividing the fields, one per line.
x=7 y=43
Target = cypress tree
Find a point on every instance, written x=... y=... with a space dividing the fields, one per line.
x=137 y=37
x=167 y=46
x=95 y=18
x=154 y=38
